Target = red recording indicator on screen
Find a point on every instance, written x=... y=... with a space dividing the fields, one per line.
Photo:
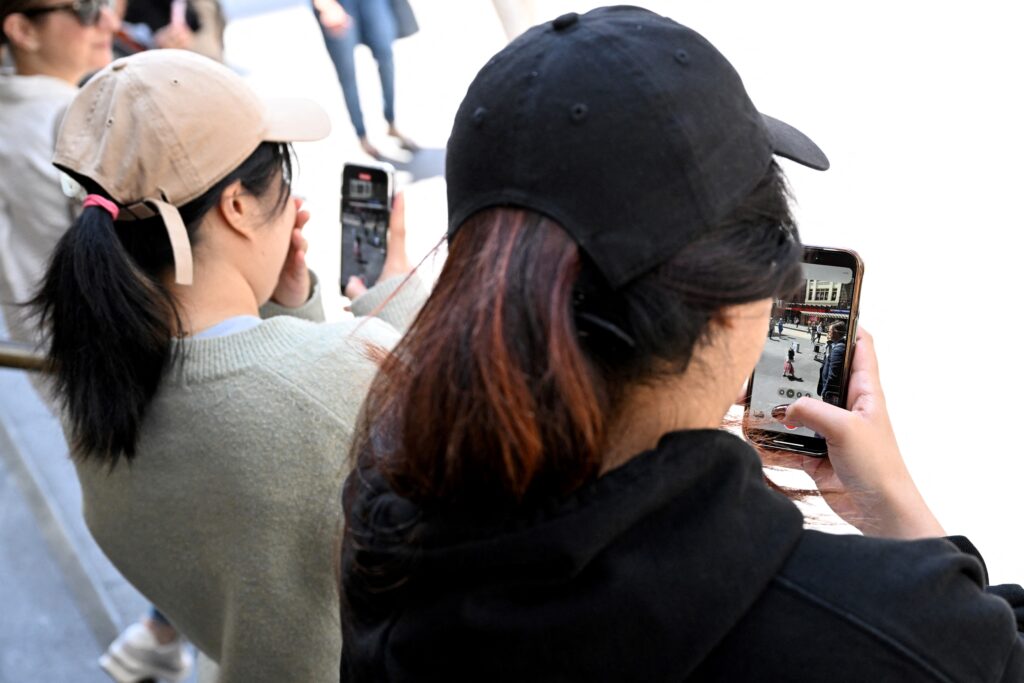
x=365 y=176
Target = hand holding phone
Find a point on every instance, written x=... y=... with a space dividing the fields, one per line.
x=864 y=479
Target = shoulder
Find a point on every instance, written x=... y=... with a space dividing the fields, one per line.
x=291 y=359
x=339 y=343
x=922 y=603
x=331 y=362
x=33 y=104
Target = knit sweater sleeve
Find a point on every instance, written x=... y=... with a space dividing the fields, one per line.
x=312 y=310
x=396 y=300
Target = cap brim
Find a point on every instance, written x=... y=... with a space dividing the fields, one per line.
x=294 y=120
x=791 y=144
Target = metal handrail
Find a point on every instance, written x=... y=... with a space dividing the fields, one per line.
x=20 y=356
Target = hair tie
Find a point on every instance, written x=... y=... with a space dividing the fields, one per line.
x=102 y=202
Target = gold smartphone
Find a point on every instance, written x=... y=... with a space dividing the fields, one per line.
x=808 y=349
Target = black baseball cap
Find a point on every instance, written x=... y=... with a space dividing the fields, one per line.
x=630 y=130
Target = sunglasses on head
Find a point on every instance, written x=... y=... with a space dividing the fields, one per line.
x=86 y=11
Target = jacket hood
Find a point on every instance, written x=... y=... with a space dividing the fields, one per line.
x=637 y=575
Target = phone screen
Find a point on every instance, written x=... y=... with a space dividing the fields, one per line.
x=365 y=210
x=807 y=346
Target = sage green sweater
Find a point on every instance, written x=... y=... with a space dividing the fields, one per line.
x=228 y=518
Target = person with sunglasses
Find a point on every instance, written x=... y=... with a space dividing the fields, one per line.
x=65 y=40
x=199 y=27
x=53 y=45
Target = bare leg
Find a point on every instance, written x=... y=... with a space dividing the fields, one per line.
x=405 y=142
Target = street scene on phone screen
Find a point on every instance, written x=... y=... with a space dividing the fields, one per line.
x=365 y=208
x=805 y=346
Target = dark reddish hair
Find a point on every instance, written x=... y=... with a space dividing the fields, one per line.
x=489 y=396
x=504 y=387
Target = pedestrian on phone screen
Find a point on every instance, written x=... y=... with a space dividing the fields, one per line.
x=788 y=371
x=830 y=376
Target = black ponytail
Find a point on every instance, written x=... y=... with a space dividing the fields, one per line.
x=110 y=326
x=109 y=319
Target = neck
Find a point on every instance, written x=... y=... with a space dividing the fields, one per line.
x=651 y=411
x=218 y=292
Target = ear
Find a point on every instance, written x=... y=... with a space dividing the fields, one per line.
x=21 y=33
x=238 y=210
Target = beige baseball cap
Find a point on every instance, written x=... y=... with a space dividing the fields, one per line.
x=158 y=129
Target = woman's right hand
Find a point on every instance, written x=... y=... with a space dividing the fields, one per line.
x=293 y=284
x=864 y=479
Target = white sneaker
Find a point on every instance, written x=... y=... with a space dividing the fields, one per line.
x=136 y=656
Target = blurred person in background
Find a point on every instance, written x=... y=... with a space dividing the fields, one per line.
x=208 y=408
x=196 y=25
x=52 y=45
x=543 y=489
x=377 y=23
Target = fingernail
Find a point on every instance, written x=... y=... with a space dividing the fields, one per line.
x=779 y=412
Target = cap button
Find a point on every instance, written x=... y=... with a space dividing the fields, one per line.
x=565 y=21
x=118 y=65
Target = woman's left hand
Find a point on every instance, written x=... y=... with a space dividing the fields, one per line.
x=293 y=284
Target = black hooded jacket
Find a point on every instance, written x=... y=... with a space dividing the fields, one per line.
x=680 y=565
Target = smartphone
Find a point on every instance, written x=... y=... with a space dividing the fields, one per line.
x=366 y=195
x=808 y=349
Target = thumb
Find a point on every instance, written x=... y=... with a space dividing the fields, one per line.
x=831 y=422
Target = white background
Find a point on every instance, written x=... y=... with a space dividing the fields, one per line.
x=918 y=107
